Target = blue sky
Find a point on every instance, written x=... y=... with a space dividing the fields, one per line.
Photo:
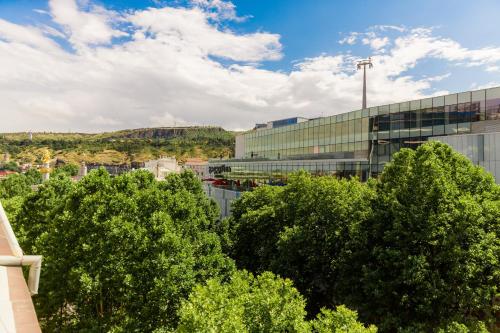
x=308 y=33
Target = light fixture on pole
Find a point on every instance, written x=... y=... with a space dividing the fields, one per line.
x=363 y=64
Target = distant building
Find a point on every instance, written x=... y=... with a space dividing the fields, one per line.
x=162 y=167
x=137 y=165
x=198 y=166
x=285 y=122
x=25 y=167
x=6 y=173
x=82 y=172
x=113 y=170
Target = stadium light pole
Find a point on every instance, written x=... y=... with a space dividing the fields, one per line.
x=363 y=64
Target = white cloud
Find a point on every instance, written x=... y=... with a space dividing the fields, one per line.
x=168 y=70
x=84 y=27
x=25 y=35
x=378 y=43
x=188 y=30
x=351 y=39
x=219 y=9
x=491 y=84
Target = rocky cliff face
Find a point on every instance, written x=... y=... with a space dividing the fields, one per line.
x=164 y=132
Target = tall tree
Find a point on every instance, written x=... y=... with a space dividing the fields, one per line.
x=120 y=253
x=265 y=303
x=431 y=253
x=323 y=217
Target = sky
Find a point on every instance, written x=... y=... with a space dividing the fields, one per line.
x=102 y=65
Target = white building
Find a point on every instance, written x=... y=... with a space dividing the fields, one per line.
x=162 y=167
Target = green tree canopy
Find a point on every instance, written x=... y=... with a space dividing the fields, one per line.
x=119 y=253
x=431 y=252
x=10 y=166
x=70 y=170
x=265 y=303
x=15 y=185
x=417 y=248
x=301 y=231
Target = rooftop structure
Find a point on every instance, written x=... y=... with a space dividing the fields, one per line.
x=162 y=167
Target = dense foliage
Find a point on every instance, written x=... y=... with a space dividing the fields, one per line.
x=19 y=185
x=119 y=253
x=431 y=251
x=265 y=303
x=69 y=170
x=416 y=250
x=10 y=166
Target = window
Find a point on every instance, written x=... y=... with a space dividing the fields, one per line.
x=384 y=125
x=345 y=131
x=464 y=113
x=351 y=130
x=427 y=117
x=338 y=132
x=478 y=105
x=493 y=103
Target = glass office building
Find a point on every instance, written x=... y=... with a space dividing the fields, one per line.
x=358 y=142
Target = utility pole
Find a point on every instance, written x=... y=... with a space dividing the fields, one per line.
x=364 y=63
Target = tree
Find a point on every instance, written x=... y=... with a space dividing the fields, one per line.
x=15 y=185
x=414 y=250
x=301 y=231
x=431 y=252
x=342 y=320
x=323 y=217
x=10 y=166
x=34 y=176
x=19 y=184
x=254 y=228
x=70 y=170
x=265 y=303
x=33 y=220
x=119 y=253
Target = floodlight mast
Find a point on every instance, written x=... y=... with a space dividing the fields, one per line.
x=363 y=64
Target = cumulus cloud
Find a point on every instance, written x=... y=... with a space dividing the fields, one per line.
x=219 y=9
x=93 y=26
x=168 y=66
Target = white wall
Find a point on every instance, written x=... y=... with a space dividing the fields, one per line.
x=240 y=146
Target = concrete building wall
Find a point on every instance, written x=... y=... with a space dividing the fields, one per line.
x=240 y=146
x=222 y=197
x=162 y=167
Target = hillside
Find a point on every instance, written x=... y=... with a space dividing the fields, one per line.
x=125 y=146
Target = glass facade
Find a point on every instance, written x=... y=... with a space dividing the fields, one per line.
x=362 y=141
x=481 y=149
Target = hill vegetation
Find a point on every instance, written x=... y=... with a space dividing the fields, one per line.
x=120 y=147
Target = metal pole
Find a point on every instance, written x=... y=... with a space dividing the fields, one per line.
x=364 y=86
x=363 y=64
